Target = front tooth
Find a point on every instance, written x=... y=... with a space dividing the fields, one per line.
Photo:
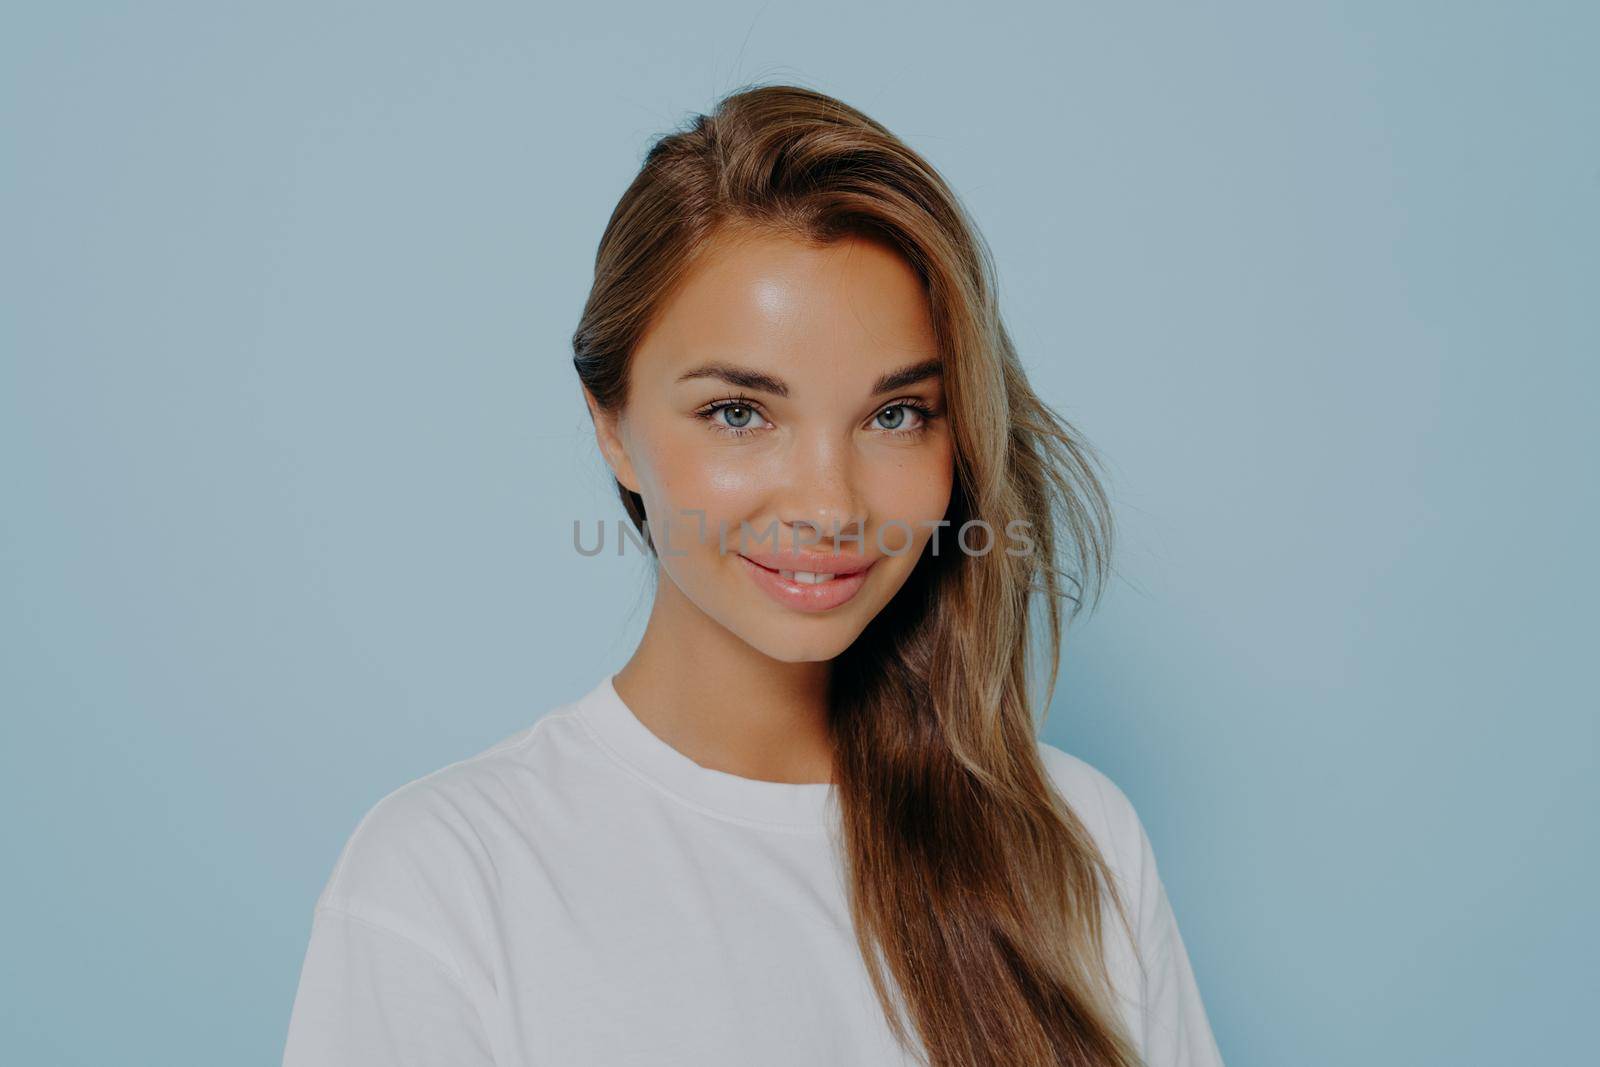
x=805 y=577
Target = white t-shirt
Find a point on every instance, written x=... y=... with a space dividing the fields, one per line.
x=582 y=893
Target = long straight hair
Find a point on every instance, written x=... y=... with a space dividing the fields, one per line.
x=976 y=892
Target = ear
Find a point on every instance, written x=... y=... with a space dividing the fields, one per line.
x=608 y=435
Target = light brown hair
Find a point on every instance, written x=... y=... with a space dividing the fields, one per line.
x=976 y=892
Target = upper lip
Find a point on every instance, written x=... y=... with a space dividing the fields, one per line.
x=812 y=562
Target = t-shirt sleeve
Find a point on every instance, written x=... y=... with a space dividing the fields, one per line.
x=387 y=975
x=1176 y=1030
x=371 y=996
x=1160 y=1000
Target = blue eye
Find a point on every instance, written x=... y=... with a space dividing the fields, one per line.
x=897 y=412
x=737 y=416
x=737 y=422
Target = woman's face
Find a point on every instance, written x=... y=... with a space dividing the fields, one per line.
x=785 y=413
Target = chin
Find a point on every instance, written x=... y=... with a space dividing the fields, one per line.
x=808 y=656
x=792 y=645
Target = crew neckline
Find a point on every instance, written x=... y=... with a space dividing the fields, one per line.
x=794 y=806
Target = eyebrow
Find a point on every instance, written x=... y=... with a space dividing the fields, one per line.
x=746 y=378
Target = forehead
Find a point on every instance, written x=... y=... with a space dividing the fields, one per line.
x=850 y=308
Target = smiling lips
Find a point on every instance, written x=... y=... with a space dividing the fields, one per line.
x=808 y=581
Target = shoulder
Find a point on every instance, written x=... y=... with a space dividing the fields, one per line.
x=1145 y=956
x=1102 y=806
x=426 y=849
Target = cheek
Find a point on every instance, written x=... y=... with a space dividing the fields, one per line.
x=905 y=500
x=915 y=490
x=685 y=480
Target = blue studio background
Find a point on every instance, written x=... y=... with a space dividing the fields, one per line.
x=290 y=450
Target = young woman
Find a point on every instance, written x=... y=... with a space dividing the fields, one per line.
x=809 y=821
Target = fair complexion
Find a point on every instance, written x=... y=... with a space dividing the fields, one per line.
x=785 y=389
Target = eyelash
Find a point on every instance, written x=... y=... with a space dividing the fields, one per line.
x=710 y=410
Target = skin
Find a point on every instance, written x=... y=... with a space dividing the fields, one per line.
x=727 y=676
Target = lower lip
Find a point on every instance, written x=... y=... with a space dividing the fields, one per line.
x=822 y=597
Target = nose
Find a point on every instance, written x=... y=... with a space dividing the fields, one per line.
x=821 y=504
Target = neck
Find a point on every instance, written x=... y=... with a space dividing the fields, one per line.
x=724 y=704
